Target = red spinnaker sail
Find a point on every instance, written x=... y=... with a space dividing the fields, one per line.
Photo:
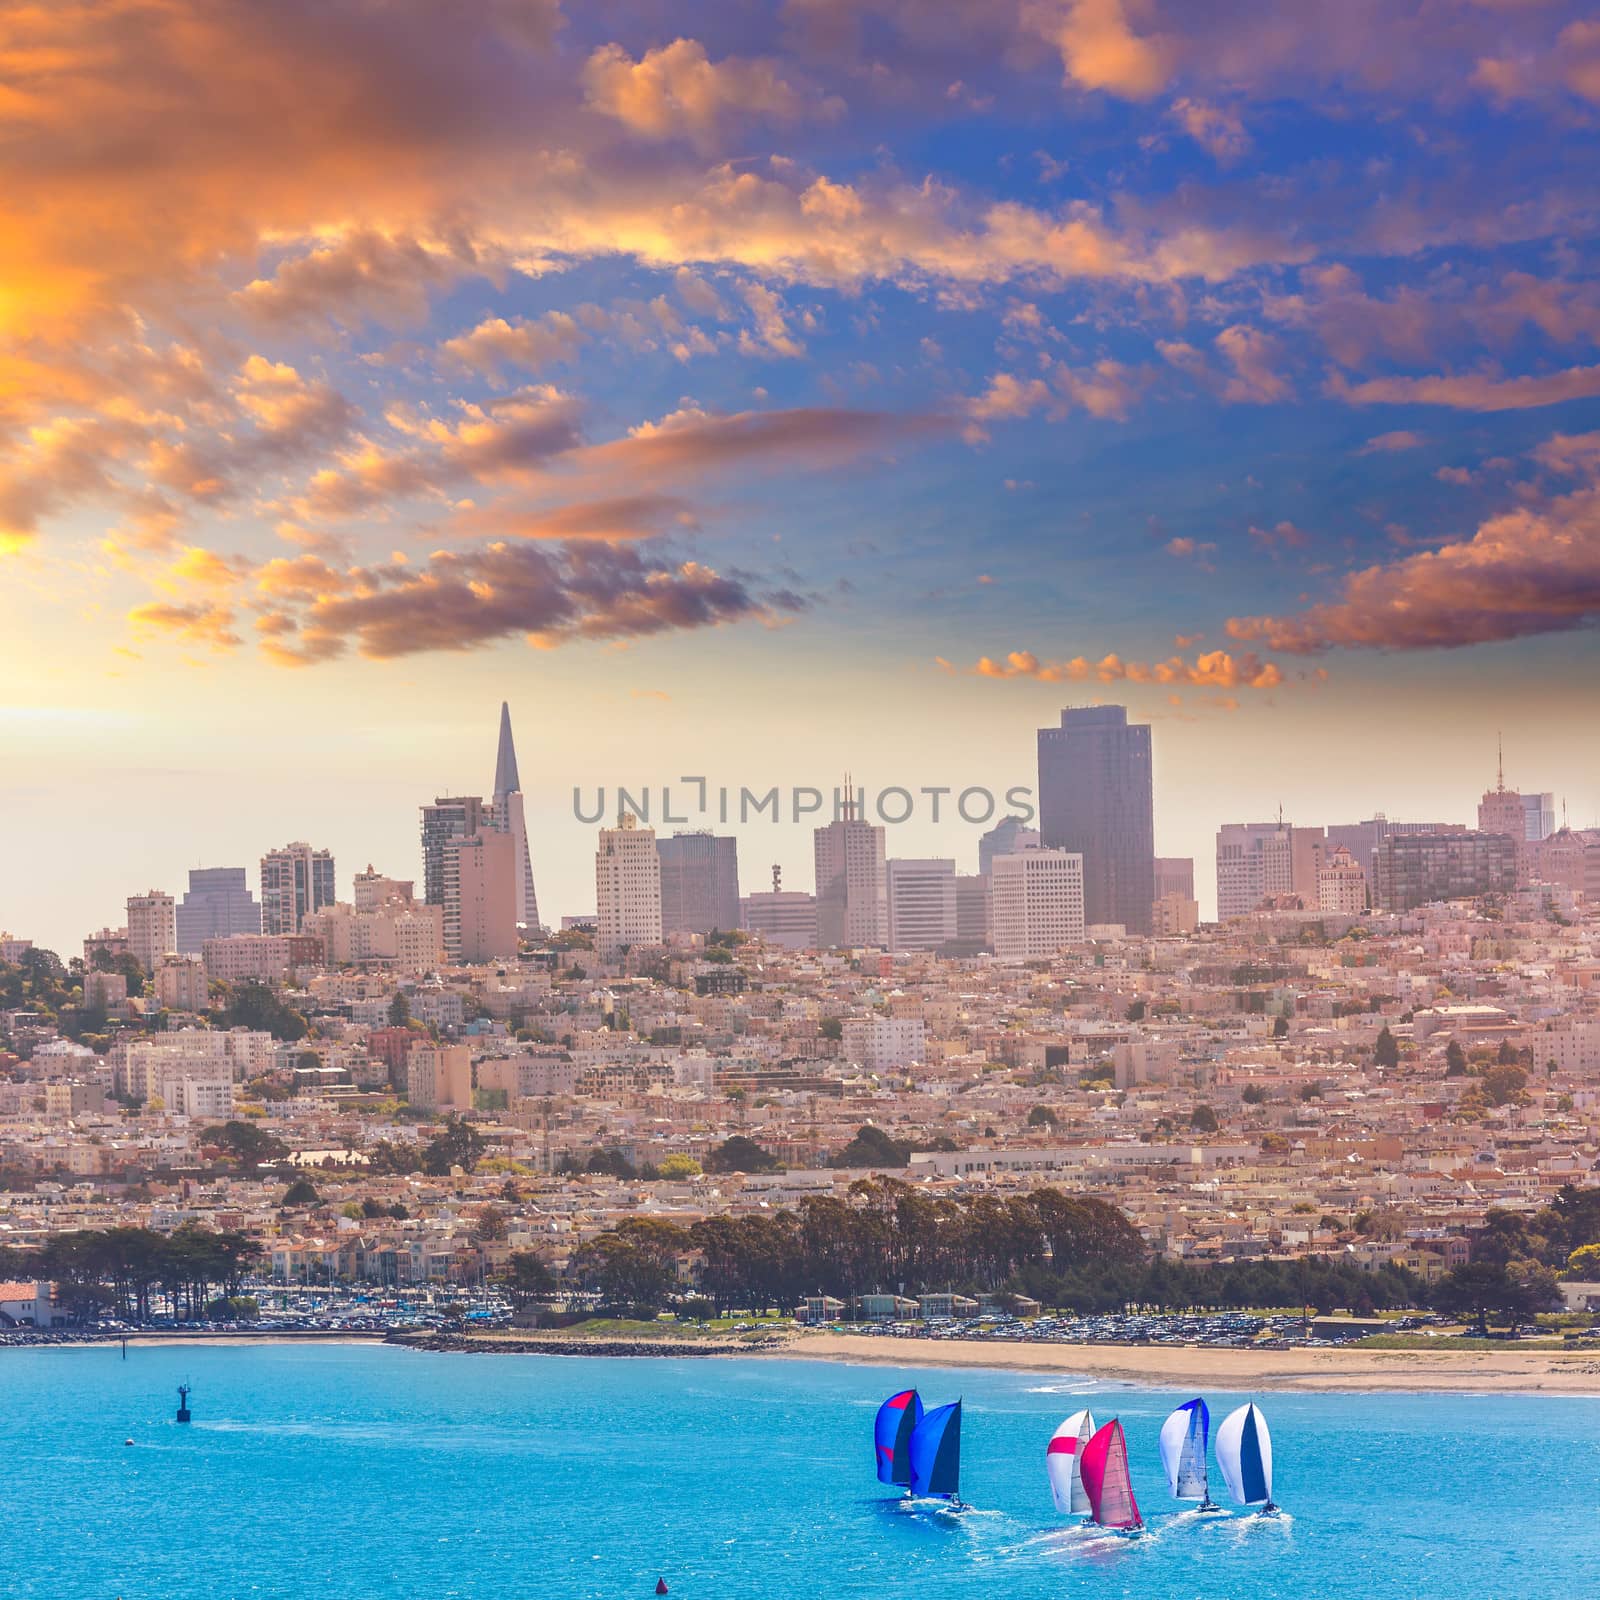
x=1104 y=1469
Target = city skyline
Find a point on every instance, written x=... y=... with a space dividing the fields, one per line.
x=681 y=375
x=561 y=844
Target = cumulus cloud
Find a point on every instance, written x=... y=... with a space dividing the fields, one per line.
x=678 y=89
x=1216 y=129
x=1106 y=389
x=1212 y=669
x=1532 y=570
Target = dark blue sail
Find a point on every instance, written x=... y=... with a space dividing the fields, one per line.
x=898 y=1416
x=936 y=1453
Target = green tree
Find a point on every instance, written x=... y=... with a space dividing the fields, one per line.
x=1203 y=1119
x=679 y=1166
x=260 y=1006
x=458 y=1145
x=1455 y=1060
x=872 y=1147
x=400 y=1009
x=1254 y=1095
x=1386 y=1051
x=740 y=1154
x=245 y=1142
x=1043 y=1117
x=302 y=1192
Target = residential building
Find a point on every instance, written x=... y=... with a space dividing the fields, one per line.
x=152 y=928
x=295 y=881
x=373 y=889
x=627 y=876
x=922 y=903
x=699 y=882
x=439 y=1077
x=1174 y=915
x=217 y=904
x=782 y=917
x=263 y=957
x=1341 y=884
x=181 y=984
x=852 y=880
x=1037 y=903
x=108 y=943
x=884 y=1044
x=1096 y=801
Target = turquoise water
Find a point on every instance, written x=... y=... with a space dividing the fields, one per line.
x=356 y=1471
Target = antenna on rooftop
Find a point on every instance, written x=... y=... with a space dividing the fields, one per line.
x=1500 y=763
x=777 y=878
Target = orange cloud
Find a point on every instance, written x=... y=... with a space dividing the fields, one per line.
x=1214 y=668
x=1533 y=570
x=1475 y=391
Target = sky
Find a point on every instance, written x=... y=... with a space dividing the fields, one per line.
x=761 y=392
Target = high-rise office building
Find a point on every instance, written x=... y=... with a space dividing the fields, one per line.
x=217 y=904
x=508 y=818
x=1006 y=838
x=922 y=903
x=627 y=884
x=1261 y=862
x=1096 y=799
x=152 y=928
x=699 y=882
x=1416 y=869
x=294 y=881
x=782 y=917
x=1539 y=816
x=1362 y=839
x=1175 y=876
x=973 y=931
x=852 y=881
x=449 y=817
x=1037 y=901
x=480 y=907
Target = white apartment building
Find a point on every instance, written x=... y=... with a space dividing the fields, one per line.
x=204 y=1055
x=627 y=882
x=393 y=933
x=439 y=1077
x=922 y=903
x=1342 y=885
x=152 y=927
x=181 y=984
x=884 y=1044
x=1036 y=903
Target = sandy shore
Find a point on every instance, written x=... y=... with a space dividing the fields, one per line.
x=1182 y=1367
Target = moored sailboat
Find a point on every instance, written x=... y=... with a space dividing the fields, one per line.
x=1183 y=1453
x=1106 y=1481
x=1244 y=1453
x=1063 y=1463
x=897 y=1419
x=935 y=1453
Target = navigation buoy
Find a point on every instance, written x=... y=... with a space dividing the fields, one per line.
x=661 y=1585
x=127 y=1441
x=183 y=1402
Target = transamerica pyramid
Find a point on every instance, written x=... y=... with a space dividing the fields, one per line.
x=508 y=818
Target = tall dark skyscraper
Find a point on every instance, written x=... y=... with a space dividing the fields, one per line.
x=1095 y=797
x=509 y=818
x=699 y=883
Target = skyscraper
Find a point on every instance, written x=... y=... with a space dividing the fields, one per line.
x=922 y=903
x=294 y=881
x=852 y=881
x=1263 y=861
x=217 y=905
x=449 y=817
x=1096 y=800
x=508 y=818
x=479 y=897
x=627 y=885
x=699 y=882
x=1037 y=898
x=1006 y=838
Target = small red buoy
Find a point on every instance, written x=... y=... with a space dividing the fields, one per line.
x=661 y=1585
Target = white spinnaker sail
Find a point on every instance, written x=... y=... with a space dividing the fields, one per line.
x=1061 y=1464
x=1244 y=1453
x=1183 y=1451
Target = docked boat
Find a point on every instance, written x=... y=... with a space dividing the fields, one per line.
x=1106 y=1480
x=1184 y=1437
x=897 y=1419
x=1063 y=1463
x=1244 y=1454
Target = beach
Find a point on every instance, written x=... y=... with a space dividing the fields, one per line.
x=1183 y=1366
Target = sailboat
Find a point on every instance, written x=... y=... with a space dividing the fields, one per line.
x=1062 y=1461
x=1244 y=1453
x=1183 y=1453
x=891 y=1434
x=1104 y=1467
x=936 y=1454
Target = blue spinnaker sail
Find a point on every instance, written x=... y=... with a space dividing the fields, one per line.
x=936 y=1453
x=891 y=1435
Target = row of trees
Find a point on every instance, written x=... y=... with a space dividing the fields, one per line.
x=122 y=1270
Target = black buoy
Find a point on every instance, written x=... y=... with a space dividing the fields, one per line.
x=183 y=1402
x=661 y=1585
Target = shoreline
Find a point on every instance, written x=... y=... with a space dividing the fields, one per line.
x=1181 y=1367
